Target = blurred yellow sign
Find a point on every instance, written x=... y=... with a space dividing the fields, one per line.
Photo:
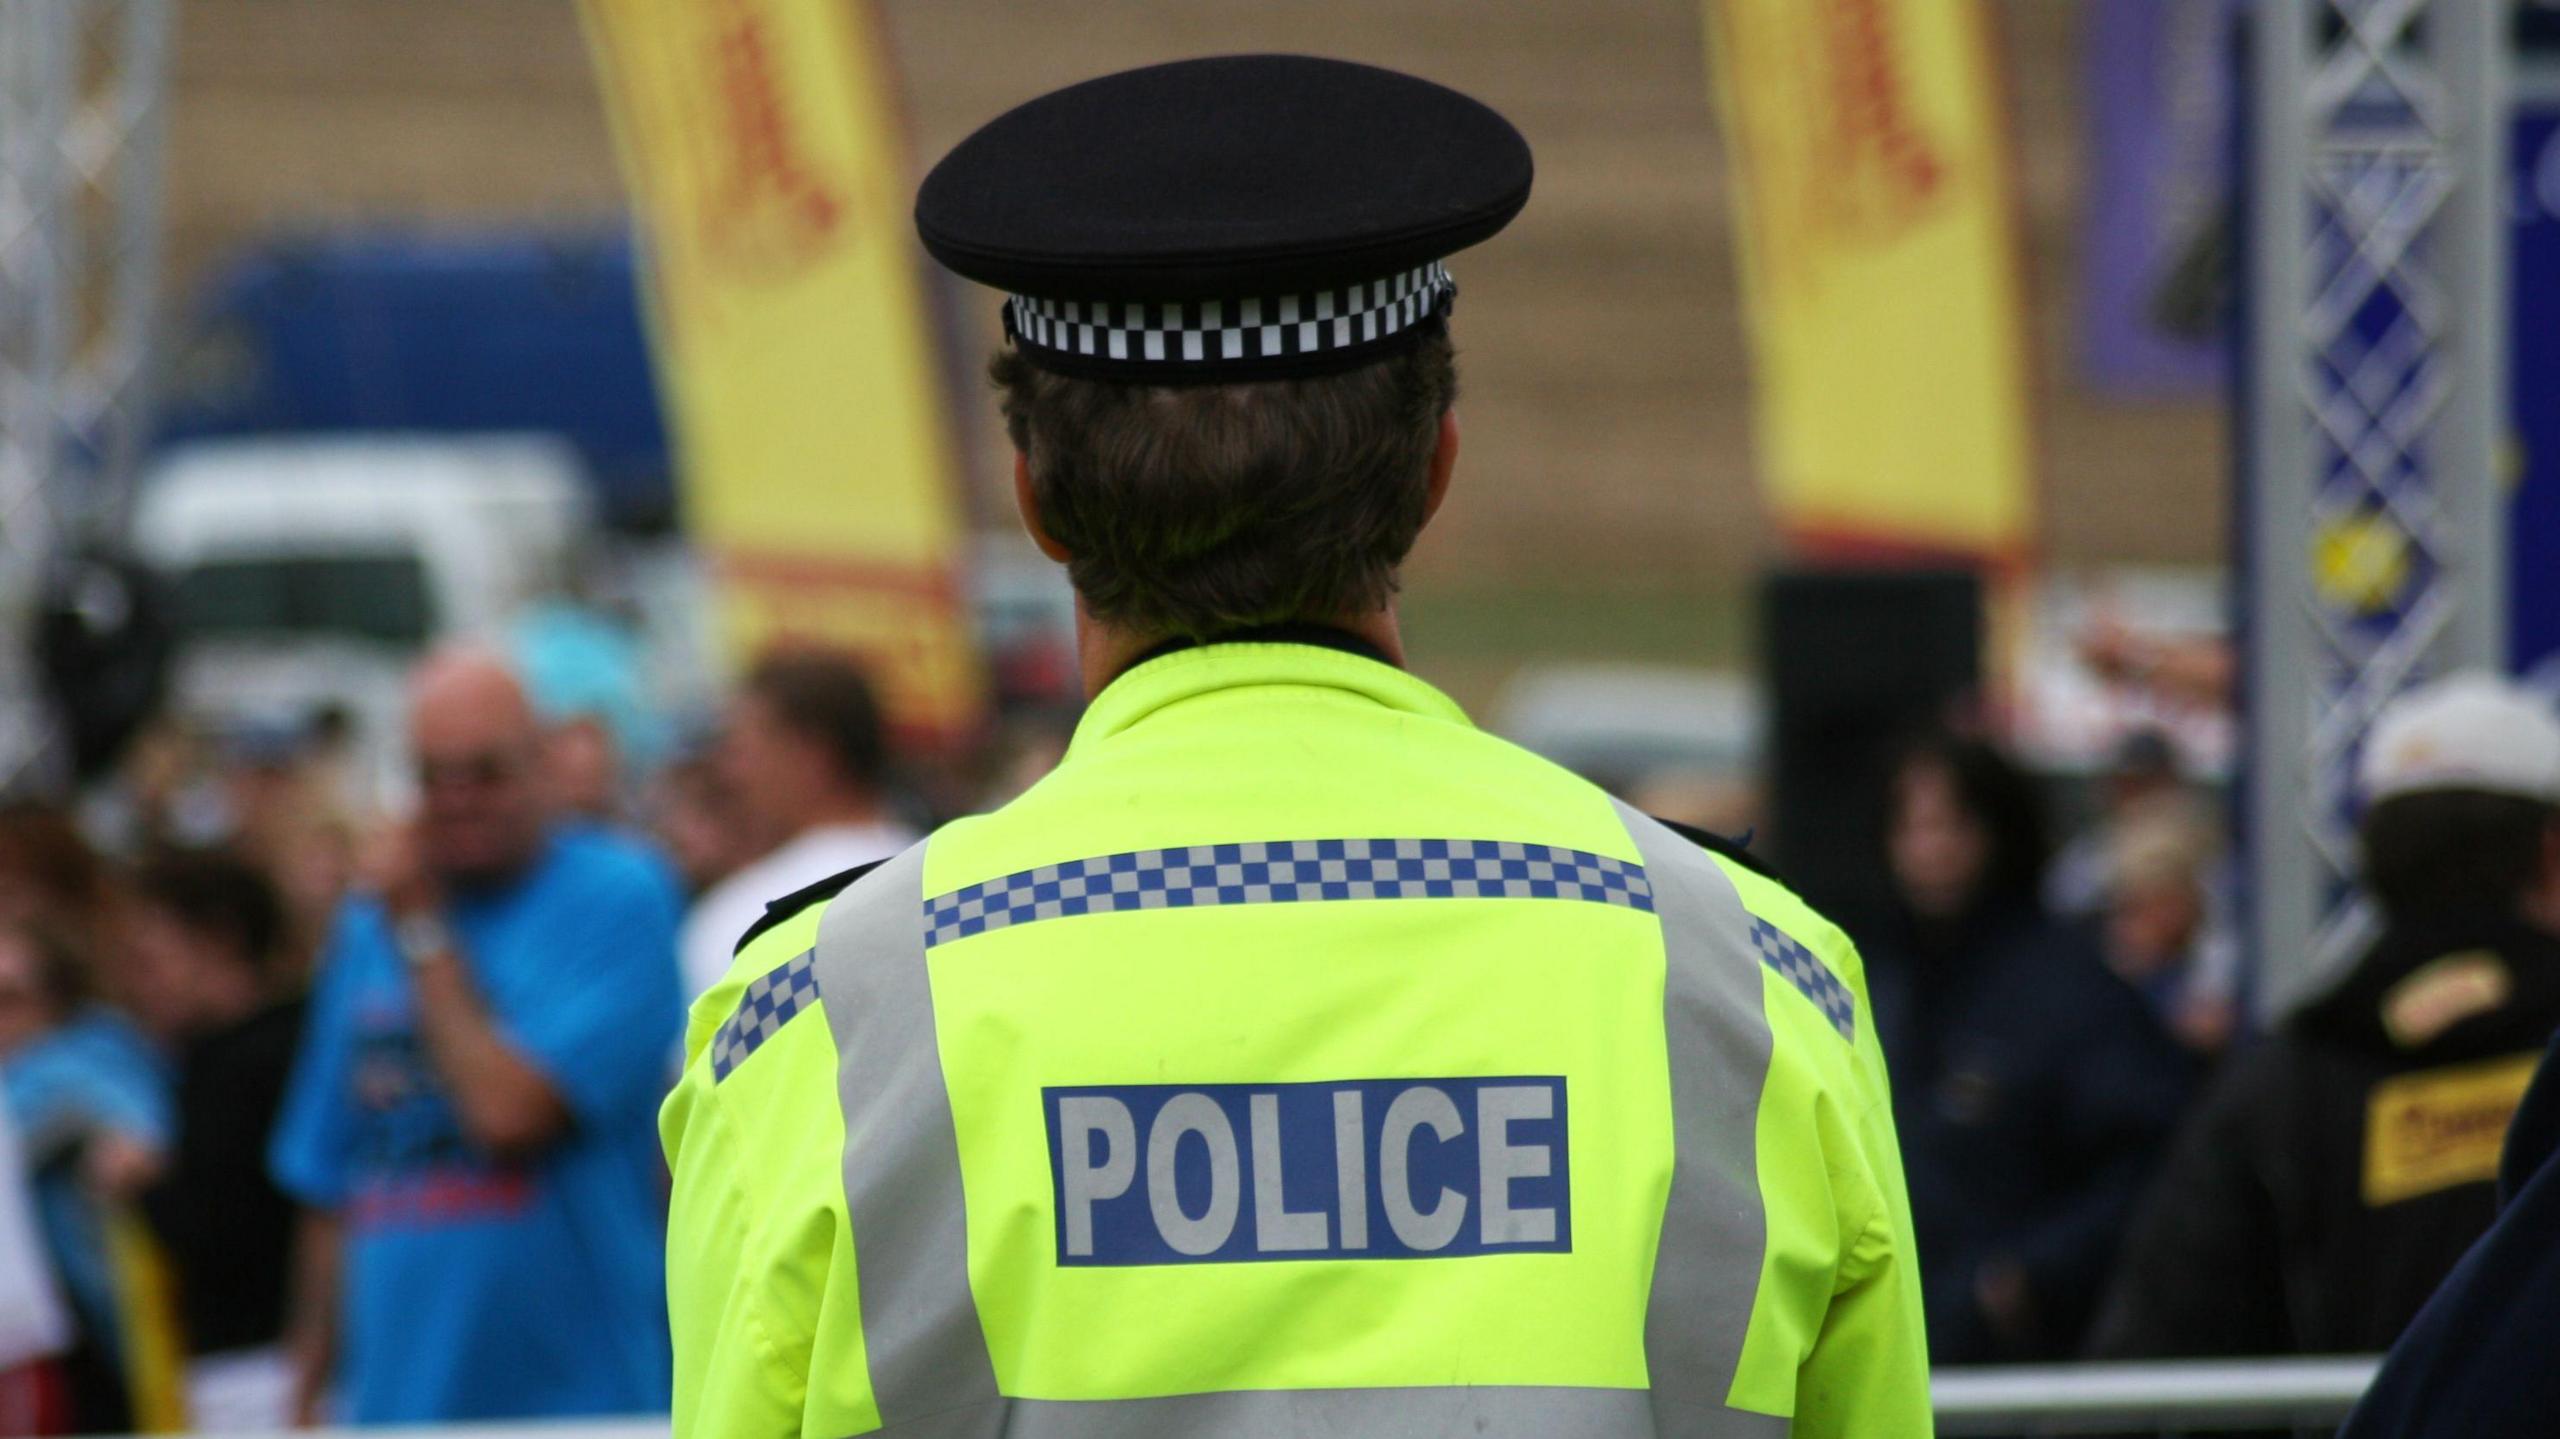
x=762 y=148
x=2438 y=1128
x=2360 y=563
x=1878 y=242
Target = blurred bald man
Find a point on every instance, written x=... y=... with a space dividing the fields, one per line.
x=471 y=1122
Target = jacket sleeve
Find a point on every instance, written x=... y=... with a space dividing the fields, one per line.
x=1864 y=1354
x=1869 y=1370
x=741 y=1366
x=760 y=1267
x=2198 y=1274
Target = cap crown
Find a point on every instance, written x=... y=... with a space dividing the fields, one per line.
x=1239 y=217
x=1230 y=176
x=2464 y=732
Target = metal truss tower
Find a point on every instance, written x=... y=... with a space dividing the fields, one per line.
x=2376 y=515
x=83 y=105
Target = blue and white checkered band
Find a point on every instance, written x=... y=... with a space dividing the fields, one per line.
x=1222 y=334
x=770 y=1002
x=1800 y=967
x=1287 y=872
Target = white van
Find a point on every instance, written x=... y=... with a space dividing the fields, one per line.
x=313 y=570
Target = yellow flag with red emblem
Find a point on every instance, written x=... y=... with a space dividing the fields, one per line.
x=761 y=145
x=1877 y=232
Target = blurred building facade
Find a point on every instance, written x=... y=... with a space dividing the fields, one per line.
x=1613 y=437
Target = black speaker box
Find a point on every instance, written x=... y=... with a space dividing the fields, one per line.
x=1858 y=663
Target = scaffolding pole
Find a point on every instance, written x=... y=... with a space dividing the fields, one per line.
x=2375 y=534
x=83 y=106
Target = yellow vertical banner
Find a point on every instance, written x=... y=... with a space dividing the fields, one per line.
x=761 y=144
x=1878 y=239
x=149 y=1332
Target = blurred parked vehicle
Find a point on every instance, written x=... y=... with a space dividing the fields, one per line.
x=310 y=572
x=386 y=332
x=1618 y=723
x=1026 y=621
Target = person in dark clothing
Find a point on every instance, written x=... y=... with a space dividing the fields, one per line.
x=2476 y=1362
x=209 y=932
x=2337 y=1172
x=2032 y=1087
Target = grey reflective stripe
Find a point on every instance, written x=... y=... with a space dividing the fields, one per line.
x=929 y=1365
x=1491 y=1412
x=928 y=1354
x=1707 y=1271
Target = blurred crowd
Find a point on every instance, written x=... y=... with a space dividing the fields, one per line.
x=320 y=1107
x=316 y=1109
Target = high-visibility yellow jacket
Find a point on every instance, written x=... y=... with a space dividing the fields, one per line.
x=1296 y=1059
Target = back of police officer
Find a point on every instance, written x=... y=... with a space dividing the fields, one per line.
x=1296 y=1059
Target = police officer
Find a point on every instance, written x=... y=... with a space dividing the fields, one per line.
x=1296 y=1059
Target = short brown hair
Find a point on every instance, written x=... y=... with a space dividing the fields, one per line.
x=1195 y=509
x=219 y=895
x=824 y=697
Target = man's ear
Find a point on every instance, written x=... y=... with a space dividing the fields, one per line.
x=1444 y=463
x=1023 y=501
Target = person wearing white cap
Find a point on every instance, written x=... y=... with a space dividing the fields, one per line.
x=2470 y=733
x=2339 y=1171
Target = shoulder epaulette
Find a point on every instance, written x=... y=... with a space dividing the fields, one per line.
x=797 y=900
x=1737 y=850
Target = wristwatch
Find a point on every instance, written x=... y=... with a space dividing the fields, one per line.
x=421 y=937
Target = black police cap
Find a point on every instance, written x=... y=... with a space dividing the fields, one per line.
x=1241 y=217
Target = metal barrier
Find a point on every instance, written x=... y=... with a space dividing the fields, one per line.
x=633 y=1427
x=2179 y=1398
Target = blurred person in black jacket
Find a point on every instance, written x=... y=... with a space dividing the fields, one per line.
x=2032 y=1087
x=2337 y=1172
x=2476 y=1362
x=208 y=934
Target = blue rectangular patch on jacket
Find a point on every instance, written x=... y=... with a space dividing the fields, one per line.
x=1344 y=1169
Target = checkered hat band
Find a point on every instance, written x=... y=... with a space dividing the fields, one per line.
x=1287 y=872
x=771 y=1001
x=1214 y=332
x=1805 y=970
